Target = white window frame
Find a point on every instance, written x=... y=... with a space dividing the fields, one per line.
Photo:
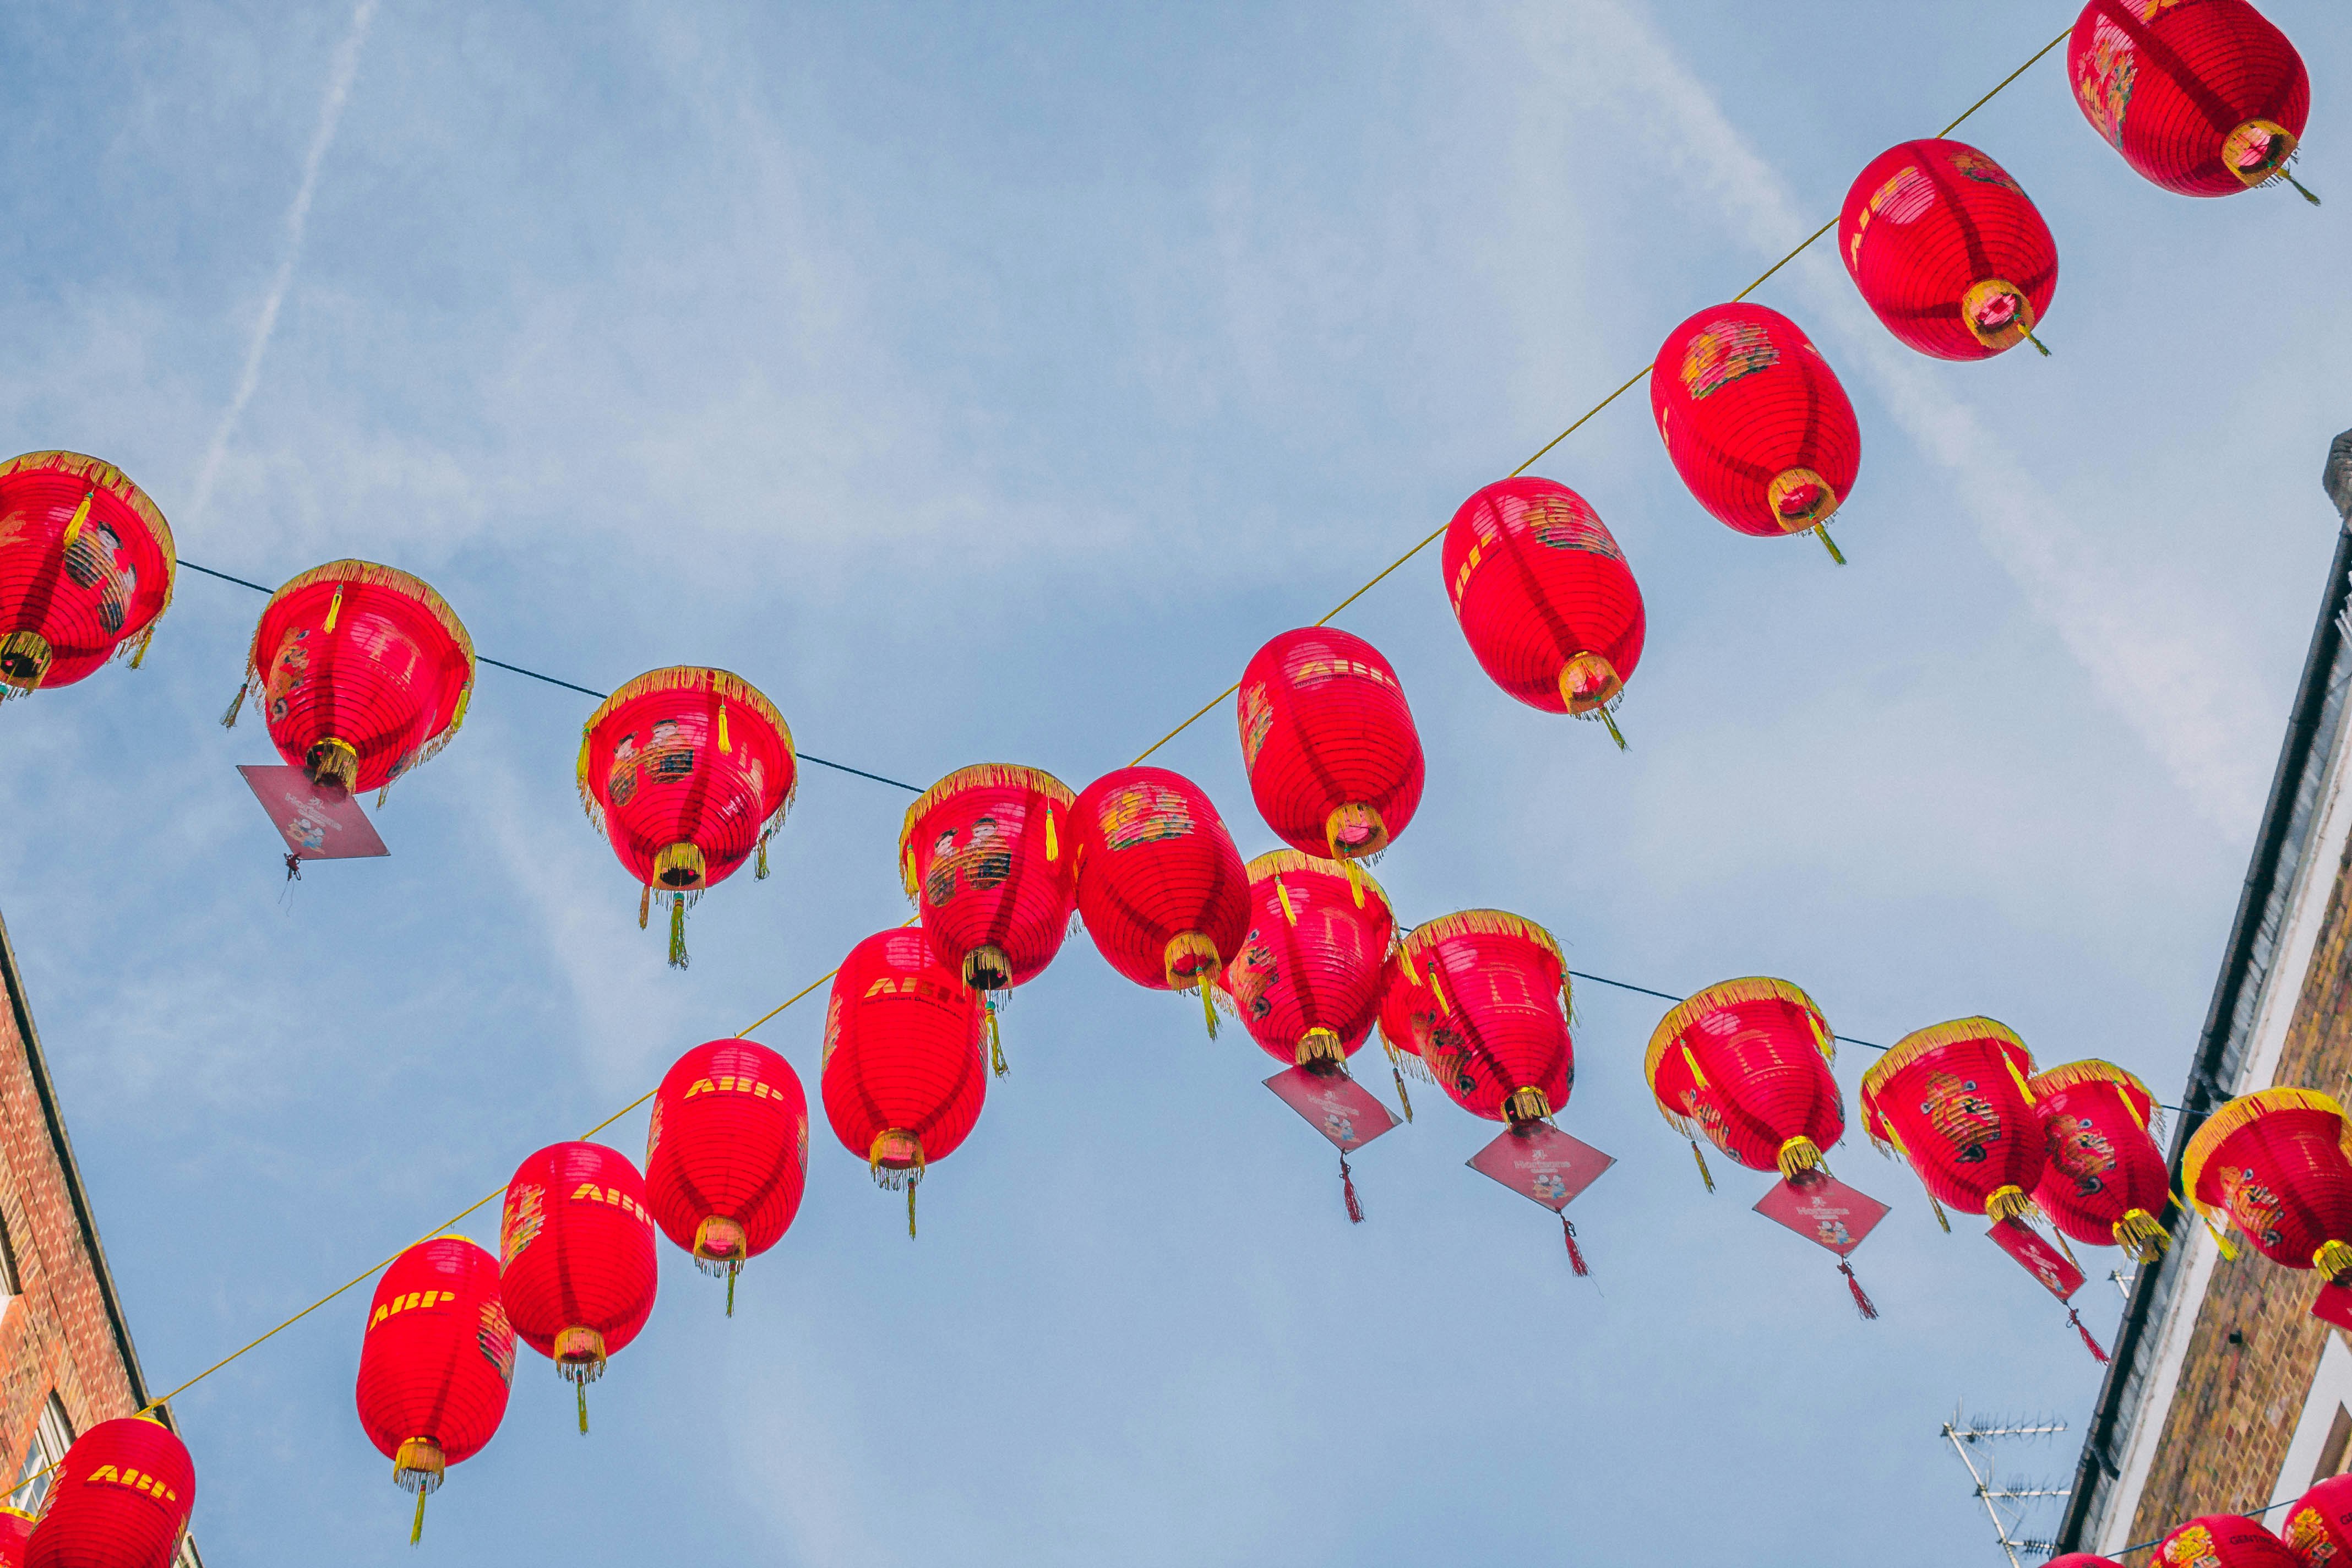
x=52 y=1436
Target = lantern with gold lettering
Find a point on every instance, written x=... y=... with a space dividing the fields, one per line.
x=905 y=1073
x=726 y=1155
x=990 y=856
x=687 y=771
x=1162 y=889
x=361 y=672
x=2319 y=1525
x=1949 y=251
x=2203 y=97
x=86 y=569
x=1756 y=422
x=577 y=1258
x=1545 y=599
x=437 y=1360
x=120 y=1500
x=2272 y=1161
x=2223 y=1541
x=2104 y=1180
x=1333 y=759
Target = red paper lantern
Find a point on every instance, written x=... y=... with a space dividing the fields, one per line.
x=726 y=1155
x=437 y=1360
x=120 y=1500
x=2203 y=97
x=363 y=672
x=1333 y=759
x=1951 y=1099
x=687 y=771
x=2273 y=1161
x=1756 y=422
x=1949 y=251
x=989 y=855
x=15 y=1534
x=1482 y=998
x=576 y=1257
x=1747 y=1063
x=1544 y=597
x=2223 y=1541
x=2319 y=1526
x=1162 y=889
x=2081 y=1559
x=86 y=569
x=1398 y=1036
x=2104 y=1180
x=1308 y=980
x=903 y=1074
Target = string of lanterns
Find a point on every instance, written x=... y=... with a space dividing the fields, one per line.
x=363 y=672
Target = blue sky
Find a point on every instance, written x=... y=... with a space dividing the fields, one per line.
x=987 y=386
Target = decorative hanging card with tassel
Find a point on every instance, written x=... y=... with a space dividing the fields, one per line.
x=319 y=821
x=1541 y=1162
x=1335 y=1105
x=1823 y=1210
x=2037 y=1257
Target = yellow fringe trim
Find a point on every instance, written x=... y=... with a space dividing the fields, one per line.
x=1730 y=993
x=2333 y=1260
x=2243 y=1111
x=104 y=476
x=2067 y=1074
x=1274 y=863
x=1527 y=1104
x=1919 y=1043
x=1484 y=922
x=1798 y=1155
x=2141 y=1234
x=727 y=686
x=1321 y=1046
x=2009 y=1203
x=983 y=776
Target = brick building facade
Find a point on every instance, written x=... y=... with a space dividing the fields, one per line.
x=2226 y=1395
x=66 y=1357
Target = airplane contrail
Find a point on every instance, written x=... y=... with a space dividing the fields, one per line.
x=298 y=218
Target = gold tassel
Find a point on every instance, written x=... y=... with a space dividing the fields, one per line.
x=760 y=874
x=2298 y=184
x=1608 y=719
x=228 y=720
x=2334 y=1259
x=80 y=516
x=1704 y=1173
x=2140 y=1234
x=1053 y=844
x=645 y=904
x=335 y=608
x=1208 y=1005
x=1443 y=1005
x=725 y=745
x=1939 y=1214
x=1799 y=1155
x=1404 y=952
x=678 y=931
x=417 y=1530
x=2016 y=1076
x=1699 y=1078
x=1403 y=1097
x=2008 y=1201
x=457 y=718
x=996 y=1063
x=139 y=654
x=384 y=794
x=1829 y=544
x=2036 y=343
x=1283 y=894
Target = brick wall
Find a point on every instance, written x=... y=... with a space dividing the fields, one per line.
x=56 y=1332
x=2255 y=1346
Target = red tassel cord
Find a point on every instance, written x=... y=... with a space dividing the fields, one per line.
x=1861 y=1302
x=1575 y=1257
x=1347 y=1187
x=2088 y=1343
x=293 y=868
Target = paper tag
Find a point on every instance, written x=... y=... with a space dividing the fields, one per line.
x=2036 y=1257
x=1823 y=1210
x=1335 y=1105
x=317 y=824
x=1537 y=1161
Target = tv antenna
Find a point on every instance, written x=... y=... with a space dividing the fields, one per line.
x=2005 y=1505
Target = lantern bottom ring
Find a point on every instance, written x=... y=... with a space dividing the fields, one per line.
x=1321 y=1049
x=25 y=658
x=896 y=1159
x=419 y=1467
x=332 y=761
x=1801 y=499
x=986 y=968
x=579 y=1354
x=718 y=1240
x=679 y=867
x=1526 y=1105
x=1997 y=313
x=2257 y=150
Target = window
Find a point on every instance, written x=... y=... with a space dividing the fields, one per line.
x=9 y=1285
x=52 y=1436
x=2322 y=1444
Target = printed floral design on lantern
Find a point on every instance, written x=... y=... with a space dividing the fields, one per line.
x=494 y=1339
x=2307 y=1534
x=1143 y=813
x=1907 y=194
x=983 y=861
x=1722 y=353
x=2192 y=1548
x=526 y=1216
x=95 y=560
x=665 y=754
x=288 y=672
x=1984 y=171
x=1257 y=719
x=2253 y=1205
x=1253 y=972
x=2109 y=69
x=1564 y=522
x=1962 y=1117
x=2083 y=1154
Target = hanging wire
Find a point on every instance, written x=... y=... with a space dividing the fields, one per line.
x=1628 y=385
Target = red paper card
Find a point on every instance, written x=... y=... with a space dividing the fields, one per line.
x=1537 y=1161
x=2335 y=1305
x=2037 y=1257
x=1825 y=1211
x=1336 y=1105
x=317 y=824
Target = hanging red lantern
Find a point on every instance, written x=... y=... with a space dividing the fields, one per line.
x=2203 y=97
x=2223 y=1541
x=1949 y=251
x=1483 y=996
x=86 y=569
x=1952 y=1100
x=1398 y=1034
x=437 y=1360
x=2081 y=1559
x=2273 y=1162
x=1333 y=759
x=2319 y=1525
x=15 y=1534
x=1756 y=422
x=577 y=1258
x=1545 y=599
x=687 y=771
x=1162 y=889
x=989 y=855
x=2104 y=1180
x=120 y=1500
x=362 y=671
x=904 y=1073
x=726 y=1155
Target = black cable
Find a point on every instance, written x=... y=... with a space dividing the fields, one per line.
x=584 y=691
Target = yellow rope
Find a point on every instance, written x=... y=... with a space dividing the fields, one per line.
x=1325 y=619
